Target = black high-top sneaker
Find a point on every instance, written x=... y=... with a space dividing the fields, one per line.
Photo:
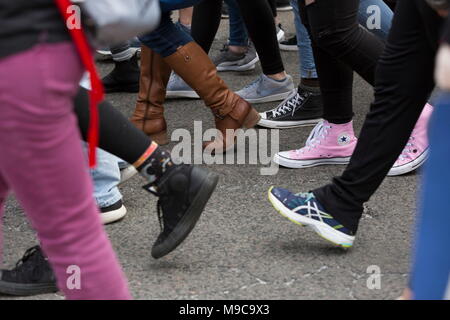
x=32 y=275
x=183 y=192
x=124 y=77
x=302 y=108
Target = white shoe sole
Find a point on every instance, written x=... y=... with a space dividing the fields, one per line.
x=299 y=164
x=271 y=98
x=182 y=94
x=322 y=229
x=288 y=48
x=228 y=66
x=410 y=166
x=287 y=124
x=113 y=216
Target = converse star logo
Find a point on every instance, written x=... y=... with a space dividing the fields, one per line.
x=343 y=139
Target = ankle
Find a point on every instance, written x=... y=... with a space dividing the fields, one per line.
x=153 y=163
x=278 y=76
x=238 y=49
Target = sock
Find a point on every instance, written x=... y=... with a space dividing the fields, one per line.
x=153 y=163
x=310 y=82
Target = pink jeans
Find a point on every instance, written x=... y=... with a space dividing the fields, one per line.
x=42 y=162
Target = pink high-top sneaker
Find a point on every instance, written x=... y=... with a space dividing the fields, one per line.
x=416 y=150
x=328 y=143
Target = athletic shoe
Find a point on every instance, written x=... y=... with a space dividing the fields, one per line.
x=183 y=192
x=301 y=108
x=177 y=88
x=225 y=14
x=304 y=209
x=32 y=275
x=415 y=152
x=124 y=77
x=127 y=173
x=228 y=60
x=113 y=213
x=289 y=44
x=328 y=143
x=280 y=32
x=265 y=89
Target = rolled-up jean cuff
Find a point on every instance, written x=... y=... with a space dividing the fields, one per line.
x=308 y=74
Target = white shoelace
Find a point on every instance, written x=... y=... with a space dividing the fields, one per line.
x=316 y=136
x=289 y=105
x=408 y=149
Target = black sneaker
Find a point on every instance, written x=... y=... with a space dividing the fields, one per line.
x=301 y=108
x=124 y=77
x=32 y=275
x=113 y=213
x=183 y=192
x=289 y=44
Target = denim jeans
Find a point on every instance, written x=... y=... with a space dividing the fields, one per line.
x=168 y=37
x=365 y=16
x=106 y=177
x=238 y=31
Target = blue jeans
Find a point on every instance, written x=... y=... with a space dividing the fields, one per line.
x=431 y=262
x=168 y=37
x=366 y=16
x=238 y=31
x=106 y=177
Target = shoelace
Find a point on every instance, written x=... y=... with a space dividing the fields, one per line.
x=306 y=195
x=26 y=256
x=158 y=207
x=289 y=105
x=408 y=149
x=316 y=136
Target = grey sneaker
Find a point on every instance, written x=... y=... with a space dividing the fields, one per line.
x=177 y=88
x=230 y=61
x=280 y=32
x=265 y=89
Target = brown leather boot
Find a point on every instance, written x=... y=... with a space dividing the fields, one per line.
x=149 y=112
x=231 y=112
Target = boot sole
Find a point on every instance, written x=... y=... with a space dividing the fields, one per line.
x=188 y=222
x=20 y=289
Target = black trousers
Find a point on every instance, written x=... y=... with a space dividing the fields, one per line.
x=340 y=46
x=403 y=84
x=258 y=18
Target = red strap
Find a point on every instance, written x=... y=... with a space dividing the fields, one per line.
x=96 y=94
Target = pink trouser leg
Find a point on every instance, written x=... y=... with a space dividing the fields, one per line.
x=42 y=161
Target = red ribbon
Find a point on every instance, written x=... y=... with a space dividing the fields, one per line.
x=96 y=94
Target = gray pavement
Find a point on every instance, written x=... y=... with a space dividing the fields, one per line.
x=241 y=248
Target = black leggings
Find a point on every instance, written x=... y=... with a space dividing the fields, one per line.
x=118 y=135
x=258 y=18
x=403 y=84
x=340 y=46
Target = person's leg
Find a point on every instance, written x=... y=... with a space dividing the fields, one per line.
x=178 y=51
x=431 y=261
x=52 y=183
x=376 y=16
x=205 y=22
x=404 y=82
x=125 y=75
x=238 y=39
x=106 y=177
x=4 y=189
x=238 y=54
